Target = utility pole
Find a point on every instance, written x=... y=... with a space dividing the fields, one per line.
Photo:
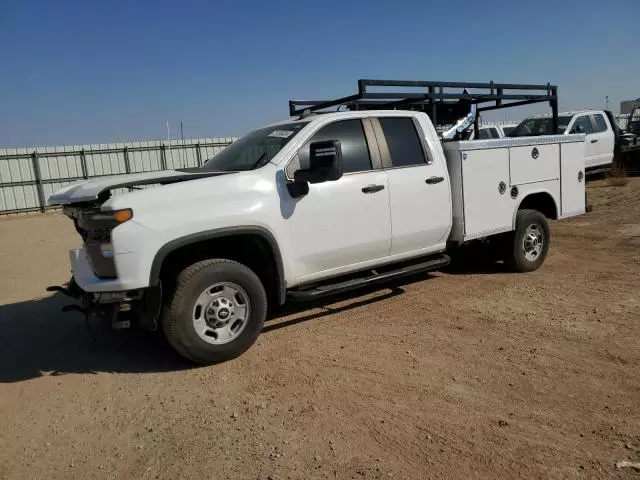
x=606 y=102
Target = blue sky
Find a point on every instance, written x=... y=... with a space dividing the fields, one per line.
x=116 y=70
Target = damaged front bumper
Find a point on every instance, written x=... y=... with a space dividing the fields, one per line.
x=123 y=309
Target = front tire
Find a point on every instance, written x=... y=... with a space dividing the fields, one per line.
x=528 y=245
x=216 y=311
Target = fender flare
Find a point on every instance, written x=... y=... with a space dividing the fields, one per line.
x=529 y=194
x=167 y=248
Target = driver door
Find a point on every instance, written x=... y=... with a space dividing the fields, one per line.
x=342 y=225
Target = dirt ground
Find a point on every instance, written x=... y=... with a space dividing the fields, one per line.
x=474 y=373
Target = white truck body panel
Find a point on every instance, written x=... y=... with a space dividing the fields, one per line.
x=525 y=166
x=572 y=167
x=478 y=168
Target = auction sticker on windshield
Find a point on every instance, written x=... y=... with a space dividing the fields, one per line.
x=281 y=133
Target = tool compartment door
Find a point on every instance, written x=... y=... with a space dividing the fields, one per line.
x=488 y=207
x=572 y=183
x=534 y=163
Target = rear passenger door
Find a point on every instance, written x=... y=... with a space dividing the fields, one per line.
x=419 y=192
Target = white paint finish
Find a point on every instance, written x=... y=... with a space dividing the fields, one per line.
x=420 y=212
x=337 y=225
x=336 y=228
x=524 y=168
x=572 y=190
x=485 y=208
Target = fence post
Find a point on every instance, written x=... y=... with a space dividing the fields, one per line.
x=36 y=171
x=163 y=157
x=198 y=154
x=83 y=164
x=127 y=165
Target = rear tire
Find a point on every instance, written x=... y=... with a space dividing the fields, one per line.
x=527 y=246
x=216 y=311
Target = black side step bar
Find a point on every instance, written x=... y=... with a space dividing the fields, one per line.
x=331 y=289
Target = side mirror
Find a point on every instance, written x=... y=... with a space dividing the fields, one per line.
x=325 y=163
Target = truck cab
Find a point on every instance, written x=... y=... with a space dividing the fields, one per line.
x=594 y=124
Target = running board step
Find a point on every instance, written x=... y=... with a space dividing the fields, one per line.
x=331 y=289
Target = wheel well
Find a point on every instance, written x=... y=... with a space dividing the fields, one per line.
x=542 y=202
x=250 y=249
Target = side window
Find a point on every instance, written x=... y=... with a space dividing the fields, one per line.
x=484 y=134
x=599 y=122
x=355 y=151
x=582 y=125
x=403 y=141
x=494 y=133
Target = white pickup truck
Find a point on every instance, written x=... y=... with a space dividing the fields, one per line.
x=307 y=207
x=598 y=126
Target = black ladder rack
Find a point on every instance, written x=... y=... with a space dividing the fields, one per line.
x=443 y=106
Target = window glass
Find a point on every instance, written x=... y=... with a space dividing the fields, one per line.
x=403 y=141
x=255 y=149
x=581 y=125
x=539 y=126
x=355 y=151
x=484 y=134
x=601 y=125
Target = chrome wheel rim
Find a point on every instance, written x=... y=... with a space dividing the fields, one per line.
x=221 y=313
x=533 y=242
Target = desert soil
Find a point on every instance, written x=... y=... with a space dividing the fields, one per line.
x=470 y=373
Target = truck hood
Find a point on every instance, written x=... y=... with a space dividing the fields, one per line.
x=91 y=189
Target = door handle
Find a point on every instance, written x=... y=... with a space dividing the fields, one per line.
x=432 y=180
x=594 y=140
x=372 y=188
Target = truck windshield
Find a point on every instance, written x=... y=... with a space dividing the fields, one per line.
x=532 y=127
x=255 y=149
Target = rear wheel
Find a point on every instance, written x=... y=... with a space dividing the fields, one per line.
x=216 y=311
x=527 y=246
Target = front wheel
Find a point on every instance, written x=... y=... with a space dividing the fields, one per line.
x=528 y=245
x=216 y=312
